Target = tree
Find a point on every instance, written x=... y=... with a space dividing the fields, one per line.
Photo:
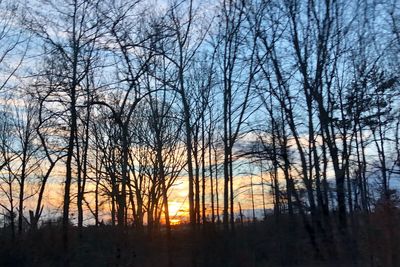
x=14 y=43
x=238 y=67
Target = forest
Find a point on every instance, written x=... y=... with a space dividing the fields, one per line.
x=199 y=133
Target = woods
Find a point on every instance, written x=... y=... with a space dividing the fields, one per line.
x=203 y=120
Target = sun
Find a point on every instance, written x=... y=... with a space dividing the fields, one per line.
x=177 y=212
x=174 y=208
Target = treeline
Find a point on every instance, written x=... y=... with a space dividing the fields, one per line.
x=118 y=100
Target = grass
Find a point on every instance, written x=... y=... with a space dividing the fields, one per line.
x=372 y=240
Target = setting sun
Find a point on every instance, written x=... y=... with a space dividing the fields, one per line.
x=175 y=208
x=178 y=212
